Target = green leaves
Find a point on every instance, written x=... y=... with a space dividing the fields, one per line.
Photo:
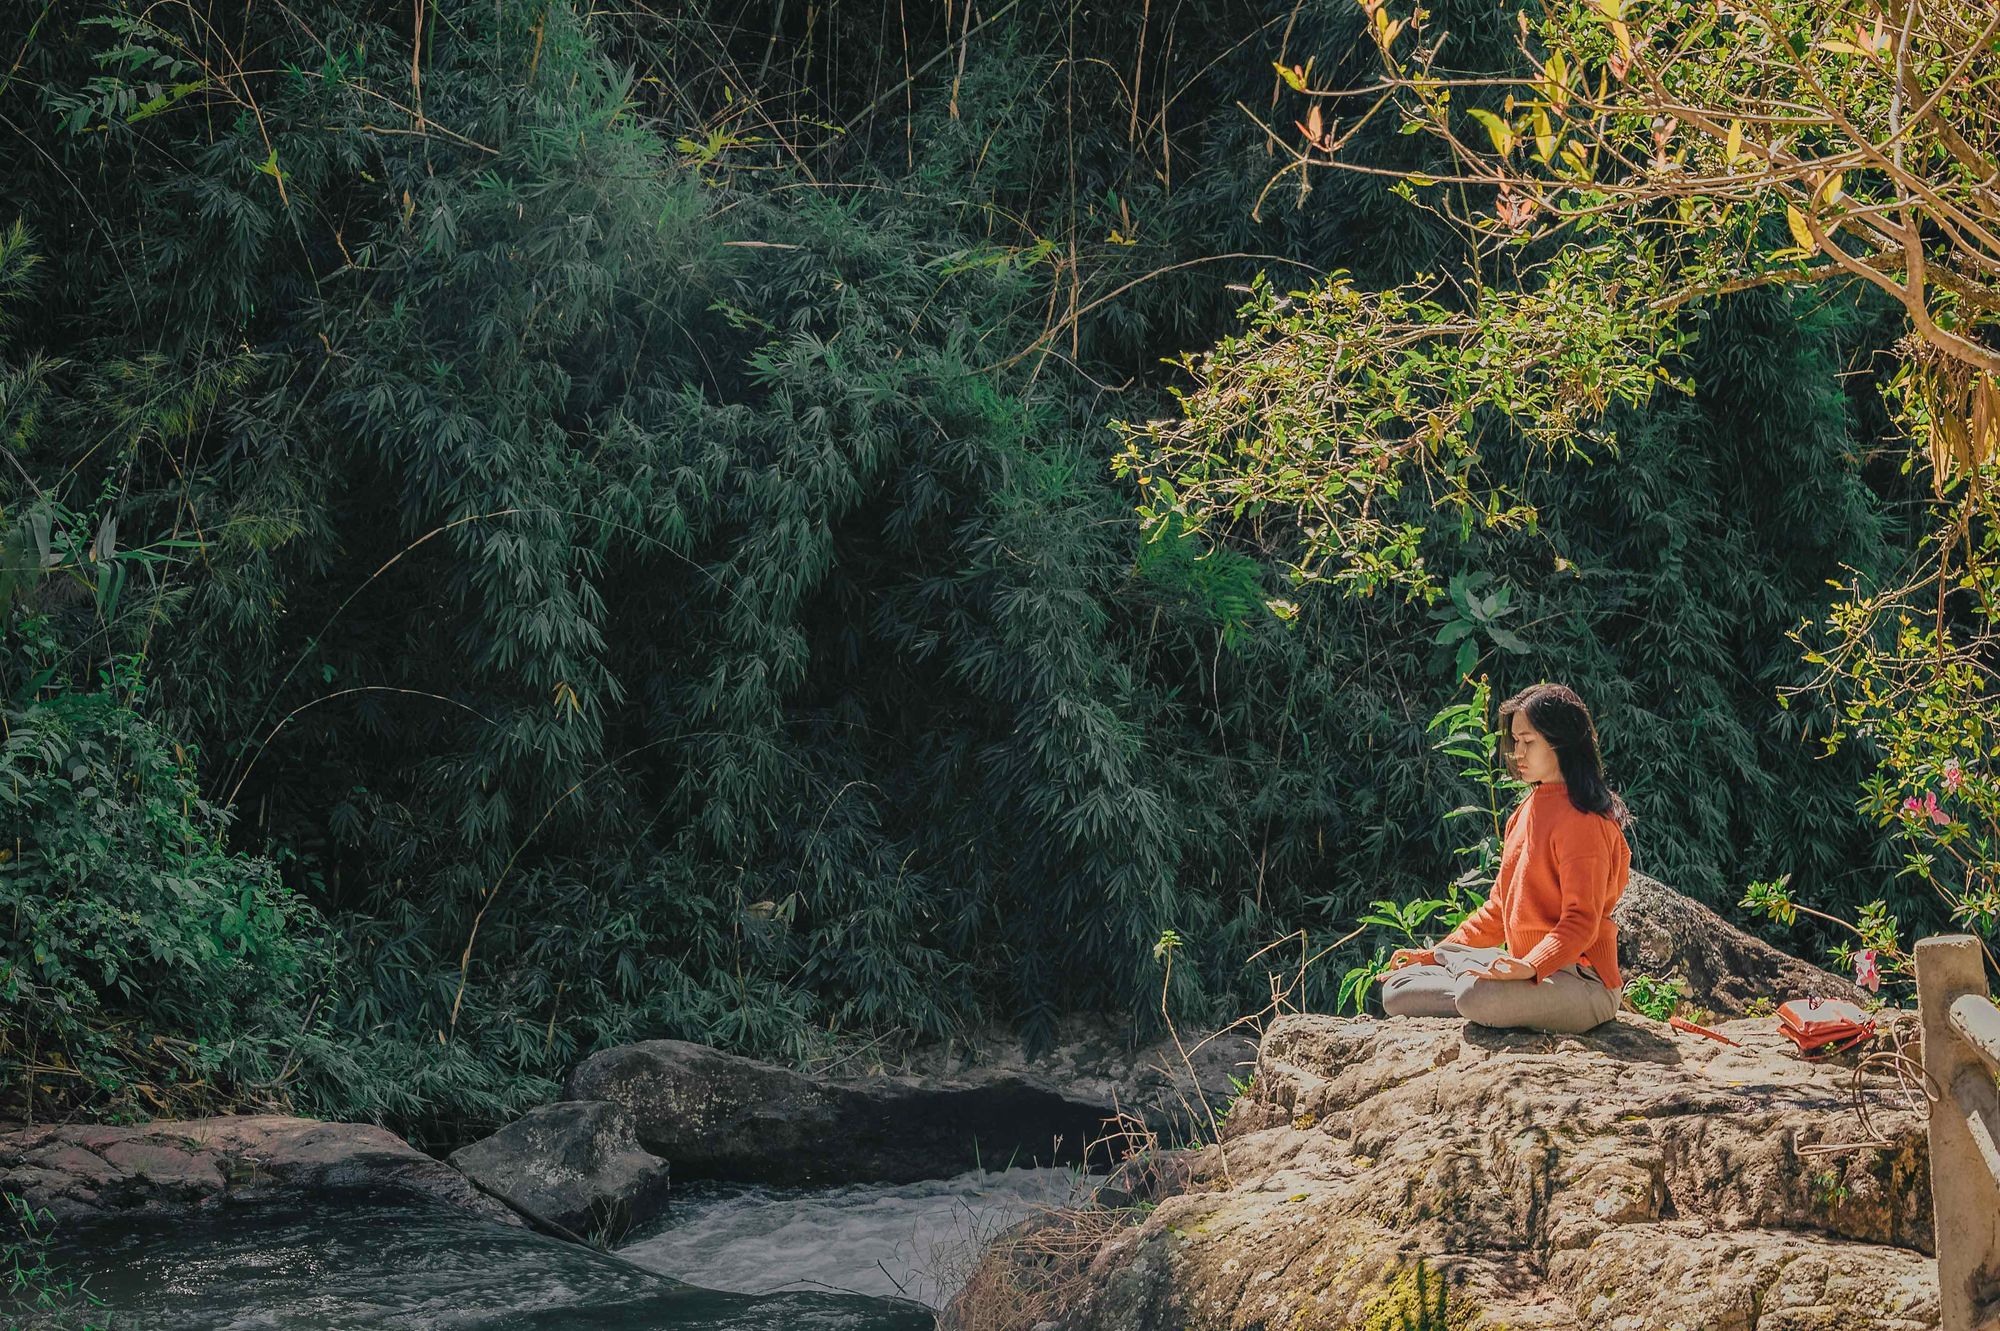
x=1404 y=918
x=1357 y=983
x=1771 y=898
x=1334 y=399
x=1471 y=613
x=1498 y=131
x=1657 y=998
x=145 y=73
x=135 y=920
x=1225 y=585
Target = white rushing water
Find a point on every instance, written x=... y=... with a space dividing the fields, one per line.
x=914 y=1240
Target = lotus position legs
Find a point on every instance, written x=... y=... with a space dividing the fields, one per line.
x=1572 y=999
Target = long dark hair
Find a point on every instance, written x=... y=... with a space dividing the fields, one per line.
x=1560 y=717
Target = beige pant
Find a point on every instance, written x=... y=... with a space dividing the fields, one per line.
x=1571 y=1000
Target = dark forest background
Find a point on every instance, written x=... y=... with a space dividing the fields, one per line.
x=527 y=527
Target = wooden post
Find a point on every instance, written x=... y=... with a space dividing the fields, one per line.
x=1965 y=1197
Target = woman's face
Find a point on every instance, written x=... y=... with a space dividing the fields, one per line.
x=1534 y=761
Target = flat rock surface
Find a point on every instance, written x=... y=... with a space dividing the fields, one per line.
x=1636 y=1178
x=83 y=1171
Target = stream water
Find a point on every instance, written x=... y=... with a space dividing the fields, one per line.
x=726 y=1258
x=914 y=1241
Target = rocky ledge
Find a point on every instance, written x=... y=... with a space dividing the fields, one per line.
x=1633 y=1179
x=83 y=1171
x=718 y=1115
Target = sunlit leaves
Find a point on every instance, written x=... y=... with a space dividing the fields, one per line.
x=1911 y=666
x=1334 y=396
x=1499 y=132
x=1796 y=112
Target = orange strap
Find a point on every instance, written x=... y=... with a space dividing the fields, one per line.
x=1682 y=1024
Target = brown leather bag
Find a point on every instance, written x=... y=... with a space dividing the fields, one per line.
x=1822 y=1026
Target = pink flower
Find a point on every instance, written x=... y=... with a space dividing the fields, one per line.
x=1954 y=775
x=1865 y=973
x=1928 y=808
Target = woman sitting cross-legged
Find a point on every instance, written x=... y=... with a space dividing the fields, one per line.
x=1542 y=952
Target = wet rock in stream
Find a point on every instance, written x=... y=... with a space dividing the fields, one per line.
x=573 y=1163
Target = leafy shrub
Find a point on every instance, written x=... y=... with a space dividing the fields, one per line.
x=147 y=967
x=1655 y=997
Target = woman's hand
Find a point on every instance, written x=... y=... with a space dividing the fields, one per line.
x=1411 y=956
x=1504 y=967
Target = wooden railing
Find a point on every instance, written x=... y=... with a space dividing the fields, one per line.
x=1961 y=1059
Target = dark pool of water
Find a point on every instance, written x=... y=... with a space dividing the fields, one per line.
x=397 y=1266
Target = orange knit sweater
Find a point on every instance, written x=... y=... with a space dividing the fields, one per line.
x=1561 y=871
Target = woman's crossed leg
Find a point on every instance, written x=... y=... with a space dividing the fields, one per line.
x=1569 y=1001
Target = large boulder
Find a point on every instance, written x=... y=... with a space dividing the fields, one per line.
x=1636 y=1178
x=83 y=1171
x=717 y=1115
x=573 y=1164
x=1665 y=934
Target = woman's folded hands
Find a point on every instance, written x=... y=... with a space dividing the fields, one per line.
x=1502 y=967
x=1506 y=968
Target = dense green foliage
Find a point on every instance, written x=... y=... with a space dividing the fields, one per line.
x=135 y=925
x=640 y=562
